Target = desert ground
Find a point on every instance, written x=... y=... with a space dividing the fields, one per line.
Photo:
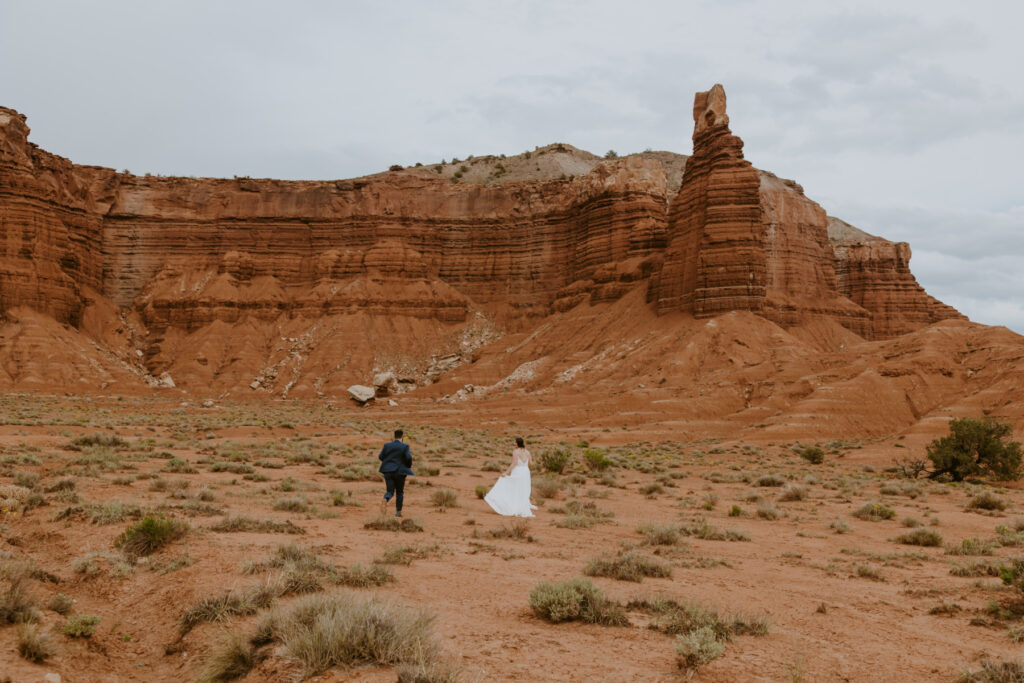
x=805 y=556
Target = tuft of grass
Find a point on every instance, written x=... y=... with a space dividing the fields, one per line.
x=575 y=600
x=150 y=534
x=793 y=492
x=518 y=529
x=232 y=603
x=81 y=626
x=986 y=500
x=839 y=526
x=343 y=629
x=385 y=523
x=269 y=526
x=660 y=535
x=629 y=566
x=994 y=671
x=767 y=511
x=443 y=499
x=405 y=554
x=357 y=576
x=971 y=546
x=975 y=569
x=481 y=491
x=35 y=645
x=343 y=498
x=232 y=658
x=769 y=480
x=922 y=537
x=873 y=512
x=866 y=571
x=17 y=606
x=547 y=486
x=291 y=504
x=910 y=522
x=94 y=440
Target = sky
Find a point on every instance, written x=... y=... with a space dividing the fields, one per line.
x=905 y=118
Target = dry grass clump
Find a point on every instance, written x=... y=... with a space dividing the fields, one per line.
x=793 y=492
x=660 y=535
x=35 y=645
x=767 y=511
x=229 y=604
x=922 y=537
x=242 y=523
x=339 y=629
x=343 y=498
x=547 y=486
x=518 y=529
x=972 y=546
x=839 y=525
x=481 y=491
x=975 y=569
x=291 y=504
x=443 y=499
x=575 y=600
x=994 y=671
x=769 y=480
x=17 y=606
x=900 y=488
x=873 y=512
x=701 y=633
x=986 y=500
x=385 y=523
x=97 y=440
x=629 y=566
x=150 y=534
x=358 y=576
x=405 y=554
x=492 y=466
x=581 y=515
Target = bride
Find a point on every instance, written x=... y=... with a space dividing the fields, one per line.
x=511 y=493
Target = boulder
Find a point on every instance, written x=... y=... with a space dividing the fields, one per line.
x=361 y=393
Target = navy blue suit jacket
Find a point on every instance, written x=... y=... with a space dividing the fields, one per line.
x=395 y=458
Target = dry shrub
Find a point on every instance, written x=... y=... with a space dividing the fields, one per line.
x=697 y=648
x=35 y=645
x=769 y=480
x=922 y=537
x=443 y=499
x=575 y=600
x=627 y=567
x=17 y=606
x=986 y=500
x=81 y=626
x=232 y=658
x=291 y=504
x=324 y=631
x=481 y=491
x=793 y=492
x=547 y=486
x=385 y=523
x=518 y=529
x=995 y=671
x=660 y=535
x=242 y=523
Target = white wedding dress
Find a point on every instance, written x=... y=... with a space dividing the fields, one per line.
x=510 y=495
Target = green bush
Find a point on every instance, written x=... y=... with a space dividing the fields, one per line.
x=976 y=447
x=575 y=600
x=81 y=626
x=555 y=461
x=481 y=491
x=150 y=534
x=1013 y=575
x=813 y=455
x=597 y=459
x=874 y=512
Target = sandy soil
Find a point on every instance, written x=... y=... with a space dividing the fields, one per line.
x=852 y=606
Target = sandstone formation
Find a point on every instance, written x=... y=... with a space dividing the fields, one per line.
x=305 y=288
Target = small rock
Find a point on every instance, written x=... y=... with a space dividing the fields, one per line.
x=392 y=402
x=166 y=381
x=51 y=678
x=255 y=384
x=138 y=352
x=208 y=403
x=361 y=393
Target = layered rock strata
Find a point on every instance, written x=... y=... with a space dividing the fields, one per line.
x=180 y=256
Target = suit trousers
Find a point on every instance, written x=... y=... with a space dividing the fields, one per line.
x=396 y=488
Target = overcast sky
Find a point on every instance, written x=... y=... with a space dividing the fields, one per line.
x=903 y=118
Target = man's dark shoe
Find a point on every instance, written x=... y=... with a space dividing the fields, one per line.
x=398 y=514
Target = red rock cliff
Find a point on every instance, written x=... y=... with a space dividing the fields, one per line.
x=190 y=261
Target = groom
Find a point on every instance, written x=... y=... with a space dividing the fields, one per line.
x=395 y=463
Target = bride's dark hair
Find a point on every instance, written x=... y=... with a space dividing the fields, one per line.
x=519 y=442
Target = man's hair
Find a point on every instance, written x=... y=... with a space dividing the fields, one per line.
x=519 y=442
x=398 y=433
